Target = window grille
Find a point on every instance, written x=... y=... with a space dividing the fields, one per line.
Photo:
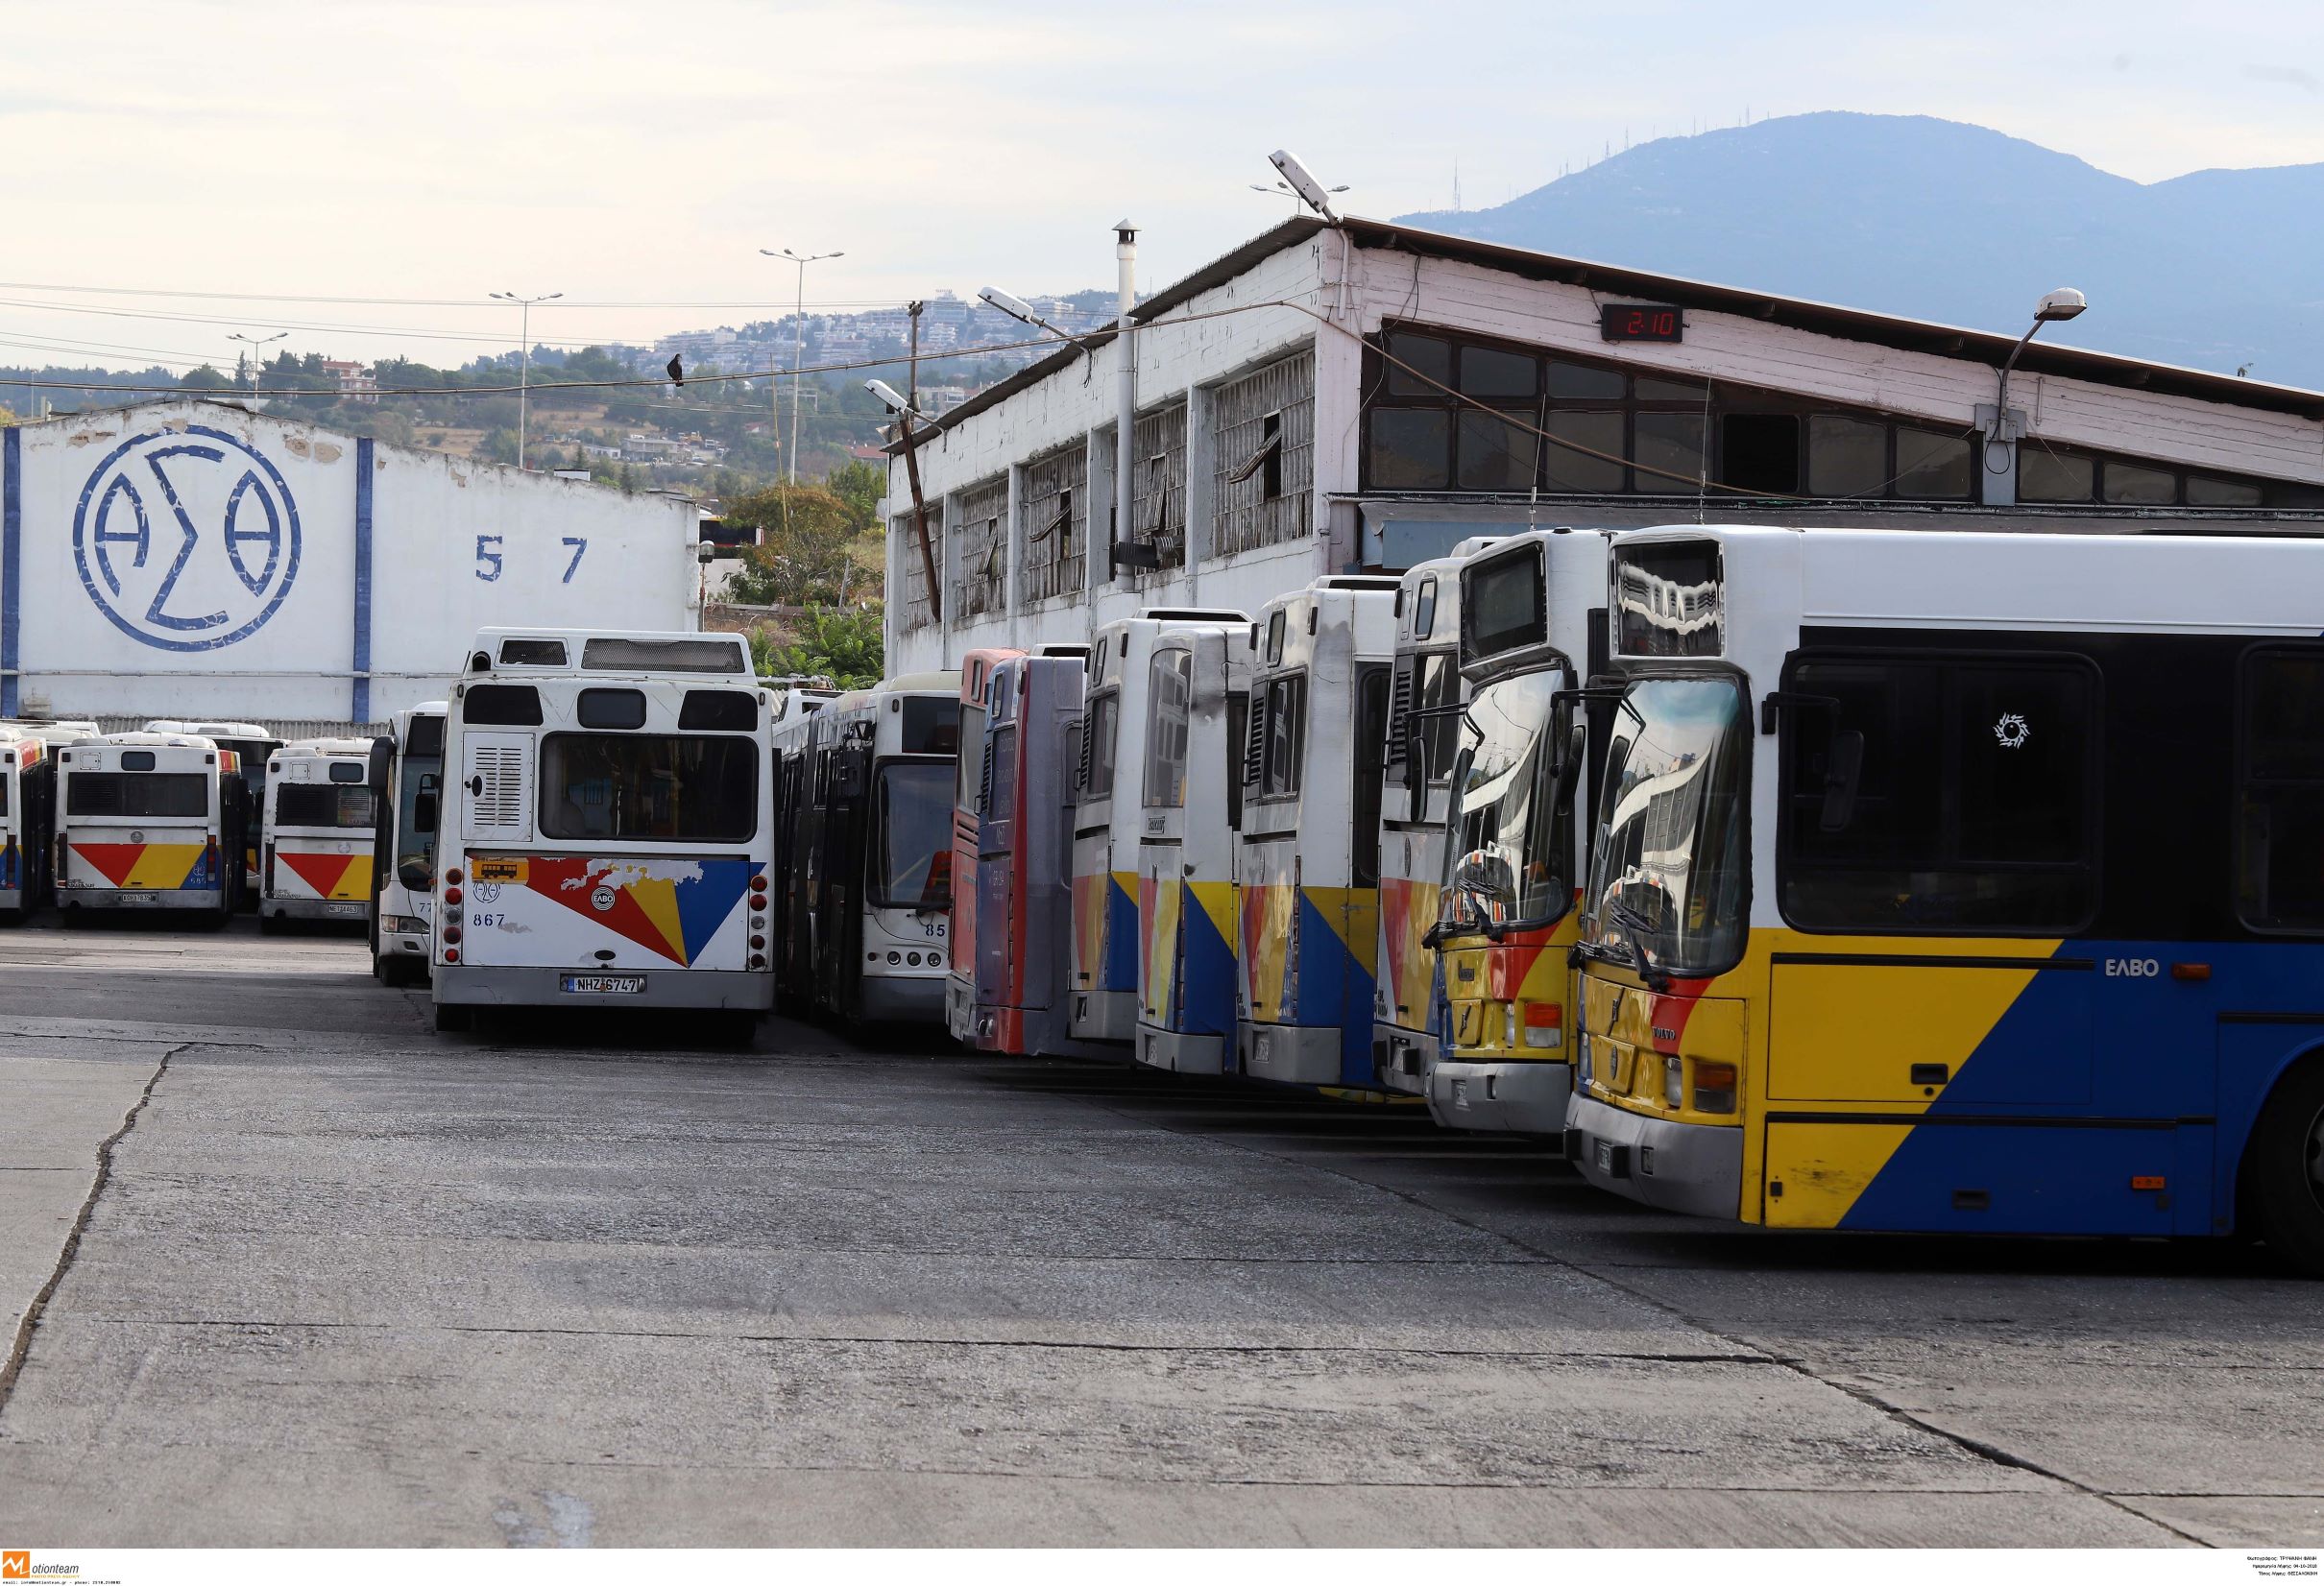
x=1266 y=434
x=1157 y=492
x=915 y=575
x=1056 y=522
x=982 y=511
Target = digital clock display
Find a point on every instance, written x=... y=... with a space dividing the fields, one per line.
x=1640 y=322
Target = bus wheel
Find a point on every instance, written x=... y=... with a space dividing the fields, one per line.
x=2284 y=1176
x=454 y=1017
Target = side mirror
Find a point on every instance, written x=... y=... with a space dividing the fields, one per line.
x=424 y=802
x=847 y=777
x=1569 y=766
x=1416 y=766
x=383 y=753
x=1844 y=769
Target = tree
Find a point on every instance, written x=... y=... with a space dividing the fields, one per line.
x=858 y=485
x=802 y=556
x=848 y=646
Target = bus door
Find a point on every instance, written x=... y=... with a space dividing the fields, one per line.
x=1933 y=1021
x=999 y=943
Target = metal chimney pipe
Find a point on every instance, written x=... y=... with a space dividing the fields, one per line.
x=1125 y=256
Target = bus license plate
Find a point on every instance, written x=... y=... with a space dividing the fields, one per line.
x=137 y=900
x=597 y=985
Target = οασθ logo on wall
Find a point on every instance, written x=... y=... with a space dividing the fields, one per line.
x=186 y=539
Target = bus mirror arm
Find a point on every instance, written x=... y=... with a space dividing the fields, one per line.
x=1570 y=765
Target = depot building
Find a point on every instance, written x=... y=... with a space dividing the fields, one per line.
x=196 y=560
x=1361 y=397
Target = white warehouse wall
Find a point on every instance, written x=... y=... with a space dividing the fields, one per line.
x=193 y=559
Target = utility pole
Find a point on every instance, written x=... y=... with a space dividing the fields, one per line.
x=911 y=465
x=1126 y=421
x=524 y=369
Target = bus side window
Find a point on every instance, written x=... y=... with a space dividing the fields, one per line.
x=1238 y=733
x=1371 y=733
x=2280 y=791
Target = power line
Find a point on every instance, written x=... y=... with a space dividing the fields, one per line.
x=439 y=302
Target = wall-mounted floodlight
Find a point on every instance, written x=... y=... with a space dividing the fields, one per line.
x=2004 y=429
x=2062 y=304
x=889 y=397
x=1017 y=309
x=1311 y=192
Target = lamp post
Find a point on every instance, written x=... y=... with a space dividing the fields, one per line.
x=524 y=367
x=2004 y=427
x=255 y=343
x=798 y=337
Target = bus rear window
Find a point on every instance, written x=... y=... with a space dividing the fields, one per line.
x=316 y=803
x=719 y=710
x=501 y=704
x=137 y=793
x=649 y=787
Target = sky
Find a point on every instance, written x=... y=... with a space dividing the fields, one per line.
x=635 y=158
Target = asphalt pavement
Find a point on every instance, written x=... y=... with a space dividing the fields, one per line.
x=280 y=1264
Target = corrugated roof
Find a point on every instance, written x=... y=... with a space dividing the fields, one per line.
x=1947 y=341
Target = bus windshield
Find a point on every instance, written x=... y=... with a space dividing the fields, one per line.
x=415 y=844
x=1508 y=853
x=1668 y=868
x=911 y=853
x=160 y=794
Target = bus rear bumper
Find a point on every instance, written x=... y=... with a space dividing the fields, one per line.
x=1291 y=1054
x=1181 y=1052
x=1402 y=1058
x=1522 y=1098
x=309 y=908
x=131 y=901
x=1691 y=1167
x=500 y=986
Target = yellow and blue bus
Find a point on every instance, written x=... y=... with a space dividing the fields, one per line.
x=1959 y=882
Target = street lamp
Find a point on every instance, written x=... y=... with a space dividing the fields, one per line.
x=798 y=341
x=2002 y=428
x=525 y=368
x=255 y=343
x=1284 y=189
x=1303 y=183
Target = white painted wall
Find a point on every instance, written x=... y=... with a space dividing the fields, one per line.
x=455 y=546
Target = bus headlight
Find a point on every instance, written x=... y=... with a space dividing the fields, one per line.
x=1674 y=1082
x=1714 y=1087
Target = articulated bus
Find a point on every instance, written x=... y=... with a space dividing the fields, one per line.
x=1532 y=633
x=28 y=822
x=863 y=796
x=1108 y=813
x=603 y=836
x=253 y=748
x=1198 y=694
x=317 y=836
x=150 y=821
x=1949 y=882
x=1425 y=697
x=1307 y=866
x=1017 y=887
x=407 y=779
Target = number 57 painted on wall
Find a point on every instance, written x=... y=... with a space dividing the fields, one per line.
x=492 y=561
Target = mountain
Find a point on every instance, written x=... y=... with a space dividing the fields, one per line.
x=1937 y=220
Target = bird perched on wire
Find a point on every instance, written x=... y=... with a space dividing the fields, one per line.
x=675 y=370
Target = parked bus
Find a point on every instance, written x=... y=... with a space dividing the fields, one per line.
x=253 y=747
x=968 y=770
x=603 y=835
x=316 y=833
x=1308 y=850
x=1017 y=889
x=864 y=797
x=1198 y=694
x=1108 y=816
x=1962 y=882
x=407 y=779
x=150 y=821
x=1425 y=697
x=1532 y=632
x=28 y=822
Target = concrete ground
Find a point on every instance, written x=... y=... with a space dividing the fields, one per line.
x=303 y=1271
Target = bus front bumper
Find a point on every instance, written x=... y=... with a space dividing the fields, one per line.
x=1290 y=1055
x=500 y=986
x=1104 y=1014
x=903 y=1000
x=1402 y=1058
x=1691 y=1167
x=1180 y=1052
x=1526 y=1097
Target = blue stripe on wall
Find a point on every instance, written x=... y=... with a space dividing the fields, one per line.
x=11 y=565
x=364 y=468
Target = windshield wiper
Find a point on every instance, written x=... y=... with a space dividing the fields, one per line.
x=1636 y=960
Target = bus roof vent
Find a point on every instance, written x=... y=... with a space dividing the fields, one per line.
x=1193 y=614
x=665 y=655
x=1360 y=581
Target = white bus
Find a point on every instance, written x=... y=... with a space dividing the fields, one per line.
x=150 y=821
x=253 y=746
x=863 y=798
x=1308 y=854
x=407 y=776
x=602 y=836
x=1109 y=816
x=316 y=833
x=1198 y=695
x=28 y=820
